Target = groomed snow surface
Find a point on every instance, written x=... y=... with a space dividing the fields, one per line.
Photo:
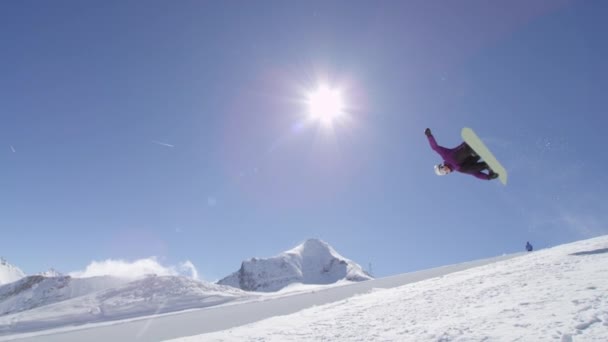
x=557 y=294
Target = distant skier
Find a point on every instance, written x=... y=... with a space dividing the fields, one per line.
x=529 y=247
x=461 y=158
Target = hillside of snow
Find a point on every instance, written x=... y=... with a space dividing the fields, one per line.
x=34 y=291
x=312 y=262
x=558 y=294
x=229 y=315
x=147 y=296
x=9 y=273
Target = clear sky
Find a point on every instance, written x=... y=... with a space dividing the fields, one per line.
x=180 y=130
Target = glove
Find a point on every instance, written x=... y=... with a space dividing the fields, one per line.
x=427 y=132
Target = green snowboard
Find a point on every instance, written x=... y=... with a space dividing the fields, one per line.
x=480 y=148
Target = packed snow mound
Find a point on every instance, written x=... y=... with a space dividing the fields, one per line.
x=9 y=273
x=34 y=291
x=312 y=262
x=147 y=296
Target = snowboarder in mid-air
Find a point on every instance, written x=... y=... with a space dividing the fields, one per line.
x=461 y=158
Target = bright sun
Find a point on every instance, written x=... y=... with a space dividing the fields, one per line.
x=325 y=104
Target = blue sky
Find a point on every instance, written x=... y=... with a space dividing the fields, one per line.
x=178 y=130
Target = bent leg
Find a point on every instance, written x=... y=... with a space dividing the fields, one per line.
x=465 y=155
x=474 y=168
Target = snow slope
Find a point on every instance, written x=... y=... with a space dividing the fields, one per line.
x=557 y=294
x=34 y=291
x=147 y=296
x=312 y=262
x=9 y=273
x=235 y=313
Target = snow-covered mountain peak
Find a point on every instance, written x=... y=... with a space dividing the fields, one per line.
x=314 y=248
x=9 y=273
x=312 y=262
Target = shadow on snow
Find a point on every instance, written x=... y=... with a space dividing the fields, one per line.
x=597 y=251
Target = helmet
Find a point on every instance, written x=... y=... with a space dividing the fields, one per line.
x=441 y=170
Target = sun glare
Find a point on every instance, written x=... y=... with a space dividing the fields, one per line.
x=325 y=104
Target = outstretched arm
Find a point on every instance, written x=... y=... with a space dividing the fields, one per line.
x=432 y=141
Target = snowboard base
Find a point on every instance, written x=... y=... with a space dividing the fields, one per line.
x=469 y=136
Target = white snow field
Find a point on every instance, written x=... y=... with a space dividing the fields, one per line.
x=557 y=294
